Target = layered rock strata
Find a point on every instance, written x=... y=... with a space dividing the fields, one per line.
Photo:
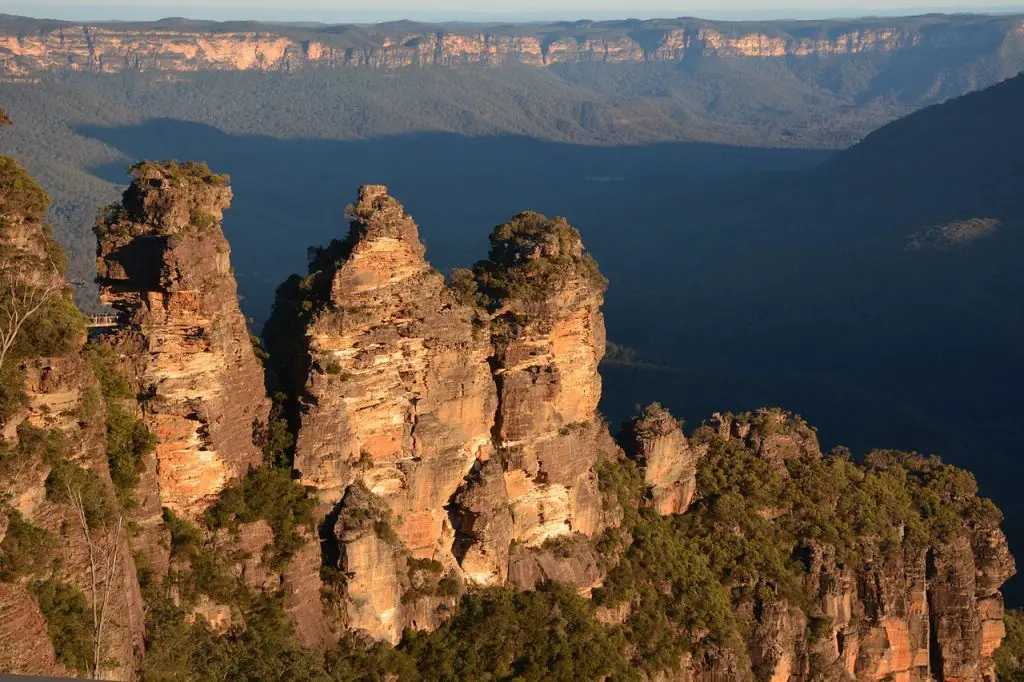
x=545 y=295
x=468 y=412
x=112 y=49
x=398 y=394
x=164 y=265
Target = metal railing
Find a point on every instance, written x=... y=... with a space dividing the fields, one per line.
x=95 y=321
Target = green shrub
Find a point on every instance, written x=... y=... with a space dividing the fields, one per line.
x=12 y=391
x=22 y=195
x=25 y=550
x=68 y=622
x=66 y=477
x=178 y=172
x=1009 y=657
x=34 y=445
x=103 y=362
x=463 y=286
x=55 y=329
x=501 y=634
x=128 y=441
x=128 y=437
x=508 y=275
x=269 y=494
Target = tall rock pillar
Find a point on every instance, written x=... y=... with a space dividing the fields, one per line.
x=164 y=264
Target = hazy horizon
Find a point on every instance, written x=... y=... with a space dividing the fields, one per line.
x=344 y=11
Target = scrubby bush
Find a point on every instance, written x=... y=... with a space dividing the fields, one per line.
x=178 y=172
x=68 y=622
x=531 y=259
x=68 y=482
x=128 y=437
x=25 y=550
x=501 y=634
x=1010 y=655
x=21 y=194
x=269 y=494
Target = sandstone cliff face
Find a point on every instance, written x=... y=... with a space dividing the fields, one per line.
x=111 y=49
x=164 y=265
x=668 y=461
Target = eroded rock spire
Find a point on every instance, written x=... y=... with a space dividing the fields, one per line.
x=164 y=264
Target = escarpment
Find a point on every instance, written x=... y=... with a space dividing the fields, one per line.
x=164 y=265
x=163 y=47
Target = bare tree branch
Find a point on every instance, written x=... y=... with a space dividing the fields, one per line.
x=108 y=557
x=20 y=299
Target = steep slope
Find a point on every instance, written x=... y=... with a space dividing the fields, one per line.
x=473 y=509
x=71 y=602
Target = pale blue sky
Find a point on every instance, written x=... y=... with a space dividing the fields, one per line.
x=372 y=10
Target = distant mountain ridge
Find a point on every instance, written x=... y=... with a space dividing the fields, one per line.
x=30 y=46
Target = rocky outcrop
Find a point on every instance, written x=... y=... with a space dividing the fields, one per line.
x=910 y=613
x=468 y=410
x=666 y=458
x=165 y=266
x=774 y=434
x=165 y=47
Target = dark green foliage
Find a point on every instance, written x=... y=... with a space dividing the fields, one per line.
x=186 y=538
x=12 y=391
x=531 y=259
x=33 y=446
x=500 y=634
x=104 y=366
x=68 y=622
x=179 y=172
x=128 y=437
x=274 y=438
x=68 y=481
x=674 y=592
x=463 y=286
x=258 y=350
x=269 y=494
x=128 y=440
x=263 y=649
x=22 y=195
x=1010 y=655
x=25 y=550
x=55 y=329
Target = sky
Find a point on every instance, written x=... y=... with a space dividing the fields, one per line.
x=519 y=10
